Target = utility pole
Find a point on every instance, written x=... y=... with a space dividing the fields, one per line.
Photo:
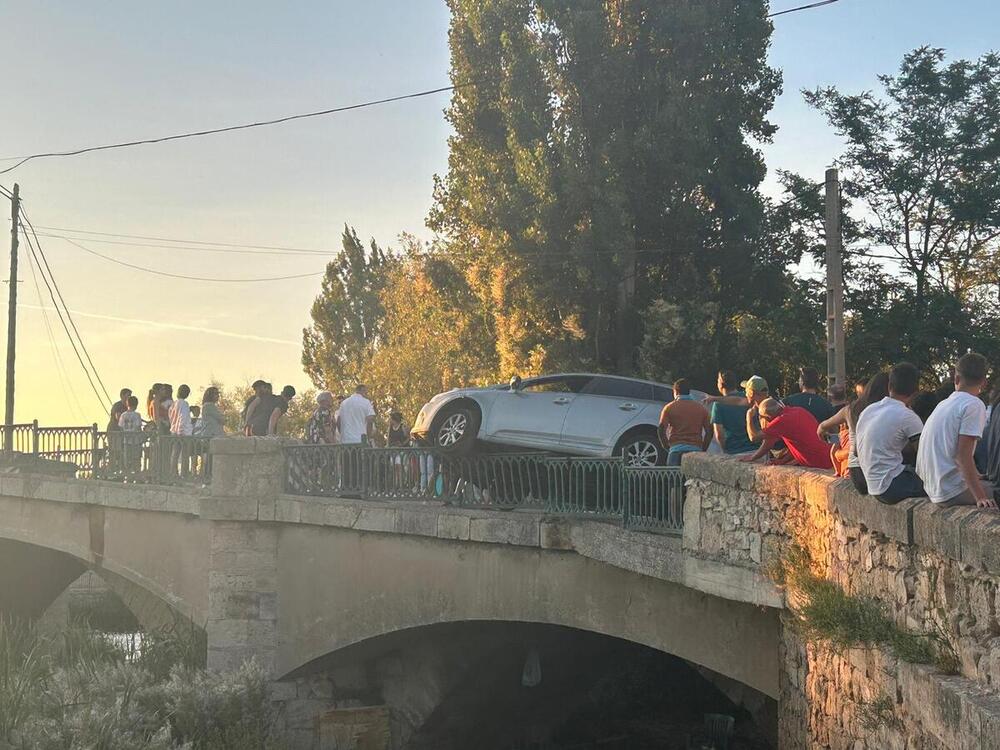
x=836 y=366
x=8 y=433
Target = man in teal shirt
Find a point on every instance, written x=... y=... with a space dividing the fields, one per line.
x=729 y=415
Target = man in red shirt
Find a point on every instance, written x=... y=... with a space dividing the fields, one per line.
x=797 y=428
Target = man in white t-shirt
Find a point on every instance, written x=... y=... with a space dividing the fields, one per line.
x=356 y=418
x=945 y=458
x=886 y=434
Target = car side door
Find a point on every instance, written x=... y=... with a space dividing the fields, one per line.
x=533 y=415
x=602 y=410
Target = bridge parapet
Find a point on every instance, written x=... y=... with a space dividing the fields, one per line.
x=935 y=570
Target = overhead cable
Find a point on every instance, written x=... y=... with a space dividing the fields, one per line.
x=62 y=320
x=190 y=278
x=226 y=129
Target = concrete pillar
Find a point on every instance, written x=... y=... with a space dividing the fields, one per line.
x=247 y=475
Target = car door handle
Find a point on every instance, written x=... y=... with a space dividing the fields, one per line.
x=627 y=407
x=561 y=401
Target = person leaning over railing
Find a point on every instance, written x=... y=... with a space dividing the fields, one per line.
x=797 y=428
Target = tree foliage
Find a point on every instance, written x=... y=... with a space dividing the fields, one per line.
x=347 y=315
x=600 y=169
x=924 y=160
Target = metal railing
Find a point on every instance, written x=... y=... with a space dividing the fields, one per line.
x=127 y=456
x=653 y=499
x=642 y=499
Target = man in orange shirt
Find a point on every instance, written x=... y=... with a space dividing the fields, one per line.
x=684 y=424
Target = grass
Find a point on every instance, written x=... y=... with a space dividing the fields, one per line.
x=825 y=612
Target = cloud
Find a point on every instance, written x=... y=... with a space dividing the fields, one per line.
x=172 y=326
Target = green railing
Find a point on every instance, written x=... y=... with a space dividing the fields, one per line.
x=642 y=499
x=135 y=457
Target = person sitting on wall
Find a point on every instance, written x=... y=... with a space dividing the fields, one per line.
x=886 y=435
x=793 y=425
x=945 y=457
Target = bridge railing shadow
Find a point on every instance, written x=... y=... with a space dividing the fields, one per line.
x=648 y=499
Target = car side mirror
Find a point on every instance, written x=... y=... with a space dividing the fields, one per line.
x=515 y=383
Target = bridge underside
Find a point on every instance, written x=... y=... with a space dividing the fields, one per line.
x=341 y=587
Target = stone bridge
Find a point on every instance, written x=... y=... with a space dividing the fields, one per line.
x=382 y=606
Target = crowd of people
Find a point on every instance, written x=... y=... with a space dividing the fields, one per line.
x=336 y=419
x=893 y=441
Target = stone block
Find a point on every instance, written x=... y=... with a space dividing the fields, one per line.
x=342 y=514
x=724 y=470
x=555 y=533
x=376 y=519
x=231 y=446
x=938 y=529
x=287 y=510
x=266 y=509
x=980 y=537
x=691 y=533
x=453 y=526
x=231 y=508
x=517 y=530
x=417 y=522
x=894 y=521
x=776 y=482
x=233 y=604
x=313 y=511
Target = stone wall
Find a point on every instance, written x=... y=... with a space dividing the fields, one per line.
x=935 y=570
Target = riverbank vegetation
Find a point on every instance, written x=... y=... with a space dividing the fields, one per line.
x=76 y=688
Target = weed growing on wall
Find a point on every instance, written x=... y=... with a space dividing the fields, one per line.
x=825 y=612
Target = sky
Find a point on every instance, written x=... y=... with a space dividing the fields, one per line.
x=82 y=74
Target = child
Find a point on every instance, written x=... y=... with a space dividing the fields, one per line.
x=130 y=423
x=195 y=420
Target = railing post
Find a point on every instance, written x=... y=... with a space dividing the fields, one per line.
x=94 y=451
x=626 y=499
x=34 y=438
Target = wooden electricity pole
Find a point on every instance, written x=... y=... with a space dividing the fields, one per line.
x=8 y=433
x=836 y=366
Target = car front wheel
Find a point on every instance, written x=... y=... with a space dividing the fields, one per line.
x=641 y=451
x=456 y=429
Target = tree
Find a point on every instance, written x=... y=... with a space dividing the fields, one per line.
x=347 y=315
x=600 y=169
x=925 y=160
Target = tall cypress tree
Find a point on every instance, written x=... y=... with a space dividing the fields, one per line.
x=600 y=165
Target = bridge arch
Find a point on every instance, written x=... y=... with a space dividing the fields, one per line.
x=141 y=556
x=360 y=586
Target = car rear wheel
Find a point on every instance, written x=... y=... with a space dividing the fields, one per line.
x=455 y=430
x=641 y=450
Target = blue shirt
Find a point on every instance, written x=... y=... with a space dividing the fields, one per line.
x=733 y=419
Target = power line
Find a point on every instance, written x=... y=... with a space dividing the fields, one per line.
x=190 y=278
x=792 y=10
x=187 y=242
x=64 y=379
x=227 y=129
x=66 y=328
x=287 y=118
